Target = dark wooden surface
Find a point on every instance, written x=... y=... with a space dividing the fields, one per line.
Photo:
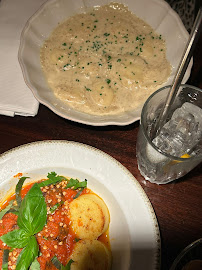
x=178 y=205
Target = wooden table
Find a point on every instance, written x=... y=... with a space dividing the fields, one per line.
x=178 y=205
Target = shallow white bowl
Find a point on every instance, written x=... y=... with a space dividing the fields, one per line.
x=133 y=231
x=157 y=13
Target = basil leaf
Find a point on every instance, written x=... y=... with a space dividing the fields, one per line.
x=76 y=184
x=5 y=210
x=33 y=213
x=77 y=239
x=5 y=259
x=56 y=262
x=35 y=265
x=67 y=267
x=14 y=209
x=18 y=189
x=16 y=238
x=5 y=266
x=78 y=193
x=60 y=266
x=52 y=209
x=53 y=178
x=28 y=254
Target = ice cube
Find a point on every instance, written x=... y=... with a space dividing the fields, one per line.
x=180 y=134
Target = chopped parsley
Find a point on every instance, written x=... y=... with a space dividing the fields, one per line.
x=108 y=81
x=87 y=89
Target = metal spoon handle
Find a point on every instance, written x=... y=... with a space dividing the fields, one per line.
x=193 y=38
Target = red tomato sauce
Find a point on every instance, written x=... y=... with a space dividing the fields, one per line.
x=57 y=238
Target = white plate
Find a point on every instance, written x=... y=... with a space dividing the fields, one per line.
x=134 y=232
x=157 y=13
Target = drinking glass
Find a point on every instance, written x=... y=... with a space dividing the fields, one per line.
x=190 y=257
x=161 y=163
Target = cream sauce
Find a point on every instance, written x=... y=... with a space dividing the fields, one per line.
x=105 y=61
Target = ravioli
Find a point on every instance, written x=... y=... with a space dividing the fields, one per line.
x=104 y=62
x=89 y=216
x=90 y=254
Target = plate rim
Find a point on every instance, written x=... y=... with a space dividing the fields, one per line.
x=132 y=181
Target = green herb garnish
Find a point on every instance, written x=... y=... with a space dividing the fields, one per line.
x=56 y=206
x=6 y=210
x=5 y=259
x=31 y=219
x=35 y=265
x=108 y=81
x=106 y=34
x=53 y=178
x=87 y=89
x=77 y=239
x=60 y=266
x=18 y=189
x=28 y=254
x=78 y=193
x=76 y=184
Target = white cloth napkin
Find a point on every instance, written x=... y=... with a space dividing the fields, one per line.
x=15 y=96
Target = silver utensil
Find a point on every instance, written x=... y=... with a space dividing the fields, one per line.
x=193 y=38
